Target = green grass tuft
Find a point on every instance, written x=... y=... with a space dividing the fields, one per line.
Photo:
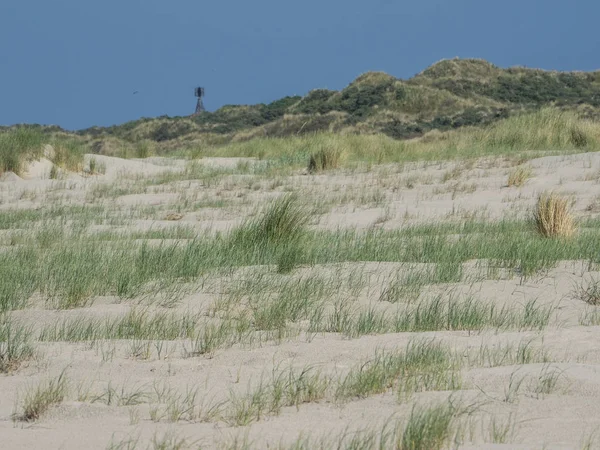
x=15 y=344
x=40 y=399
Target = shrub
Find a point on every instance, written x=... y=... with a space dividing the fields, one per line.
x=360 y=100
x=317 y=101
x=278 y=108
x=552 y=216
x=170 y=130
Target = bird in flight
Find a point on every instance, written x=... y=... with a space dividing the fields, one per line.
x=135 y=92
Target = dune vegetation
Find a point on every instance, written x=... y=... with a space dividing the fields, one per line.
x=405 y=264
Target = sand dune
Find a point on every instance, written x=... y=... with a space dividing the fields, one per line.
x=529 y=385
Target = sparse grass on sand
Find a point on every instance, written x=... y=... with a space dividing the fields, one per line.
x=227 y=308
x=68 y=269
x=23 y=145
x=519 y=176
x=39 y=399
x=15 y=344
x=428 y=427
x=589 y=292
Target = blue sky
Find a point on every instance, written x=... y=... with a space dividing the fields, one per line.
x=76 y=63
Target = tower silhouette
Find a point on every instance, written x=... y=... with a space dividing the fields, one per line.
x=199 y=92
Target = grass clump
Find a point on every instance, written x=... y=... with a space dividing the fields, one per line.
x=136 y=324
x=284 y=220
x=276 y=234
x=15 y=345
x=428 y=428
x=422 y=366
x=17 y=147
x=286 y=388
x=552 y=216
x=40 y=399
x=96 y=167
x=68 y=154
x=54 y=172
x=590 y=292
x=324 y=159
x=519 y=176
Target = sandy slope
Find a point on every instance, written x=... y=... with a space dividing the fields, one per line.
x=562 y=419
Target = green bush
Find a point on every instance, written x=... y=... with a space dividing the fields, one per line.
x=359 y=100
x=170 y=130
x=540 y=87
x=278 y=108
x=316 y=102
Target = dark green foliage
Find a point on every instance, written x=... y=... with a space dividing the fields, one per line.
x=278 y=108
x=316 y=102
x=299 y=125
x=359 y=100
x=232 y=118
x=460 y=87
x=532 y=87
x=170 y=130
x=398 y=129
x=492 y=93
x=400 y=93
x=527 y=87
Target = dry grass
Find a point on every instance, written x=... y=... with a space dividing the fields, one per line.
x=544 y=132
x=590 y=292
x=552 y=216
x=174 y=216
x=325 y=159
x=519 y=176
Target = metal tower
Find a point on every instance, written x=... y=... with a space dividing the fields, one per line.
x=199 y=92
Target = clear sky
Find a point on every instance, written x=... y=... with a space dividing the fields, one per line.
x=76 y=63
